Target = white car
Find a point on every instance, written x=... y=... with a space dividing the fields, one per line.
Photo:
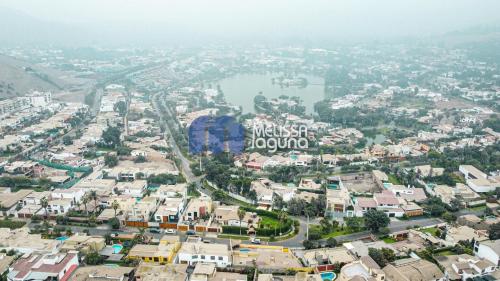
x=170 y=231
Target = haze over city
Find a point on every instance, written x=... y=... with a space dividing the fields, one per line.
x=219 y=140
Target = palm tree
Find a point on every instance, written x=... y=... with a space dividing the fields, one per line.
x=282 y=216
x=93 y=196
x=45 y=204
x=241 y=215
x=115 y=205
x=85 y=200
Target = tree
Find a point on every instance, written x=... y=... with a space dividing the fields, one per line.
x=278 y=202
x=93 y=196
x=114 y=223
x=111 y=136
x=241 y=215
x=110 y=160
x=495 y=231
x=121 y=108
x=93 y=258
x=331 y=242
x=282 y=216
x=455 y=205
x=44 y=203
x=85 y=200
x=115 y=205
x=326 y=226
x=67 y=140
x=374 y=220
x=308 y=244
x=383 y=256
x=140 y=159
x=352 y=224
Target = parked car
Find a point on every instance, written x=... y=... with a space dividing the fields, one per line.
x=190 y=232
x=154 y=230
x=170 y=231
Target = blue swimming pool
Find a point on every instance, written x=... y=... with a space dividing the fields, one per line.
x=245 y=250
x=62 y=238
x=117 y=248
x=328 y=276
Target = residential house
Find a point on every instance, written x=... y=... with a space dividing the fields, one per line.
x=464 y=267
x=228 y=215
x=363 y=269
x=477 y=180
x=162 y=254
x=170 y=210
x=465 y=233
x=198 y=208
x=411 y=269
x=142 y=210
x=10 y=203
x=154 y=272
x=194 y=252
x=489 y=250
x=83 y=243
x=22 y=241
x=40 y=267
x=57 y=207
x=208 y=272
x=103 y=272
x=134 y=188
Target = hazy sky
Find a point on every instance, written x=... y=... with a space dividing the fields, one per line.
x=236 y=19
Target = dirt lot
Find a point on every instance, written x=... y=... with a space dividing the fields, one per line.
x=360 y=182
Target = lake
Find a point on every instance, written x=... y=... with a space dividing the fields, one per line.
x=242 y=88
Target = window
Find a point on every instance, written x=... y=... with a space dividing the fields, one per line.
x=212 y=257
x=220 y=258
x=194 y=257
x=202 y=257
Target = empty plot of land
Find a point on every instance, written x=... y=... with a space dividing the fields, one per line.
x=360 y=183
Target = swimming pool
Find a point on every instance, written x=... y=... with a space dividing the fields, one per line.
x=328 y=276
x=117 y=248
x=245 y=250
x=62 y=238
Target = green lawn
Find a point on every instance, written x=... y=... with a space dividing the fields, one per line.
x=446 y=253
x=11 y=224
x=335 y=233
x=478 y=208
x=432 y=230
x=389 y=240
x=268 y=222
x=393 y=179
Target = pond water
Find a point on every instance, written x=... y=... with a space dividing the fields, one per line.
x=242 y=88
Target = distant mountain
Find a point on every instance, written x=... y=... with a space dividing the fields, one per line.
x=18 y=77
x=17 y=28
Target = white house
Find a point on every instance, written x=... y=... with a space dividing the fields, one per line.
x=477 y=180
x=192 y=253
x=75 y=194
x=489 y=250
x=135 y=188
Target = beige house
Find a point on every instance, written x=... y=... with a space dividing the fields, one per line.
x=412 y=269
x=83 y=243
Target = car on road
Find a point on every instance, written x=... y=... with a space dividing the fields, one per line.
x=154 y=230
x=255 y=241
x=170 y=231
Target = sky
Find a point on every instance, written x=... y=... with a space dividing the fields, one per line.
x=259 y=20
